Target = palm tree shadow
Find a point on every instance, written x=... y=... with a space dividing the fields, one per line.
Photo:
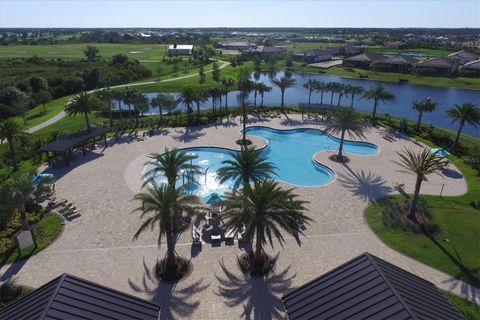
x=367 y=186
x=468 y=278
x=188 y=135
x=260 y=296
x=291 y=122
x=175 y=303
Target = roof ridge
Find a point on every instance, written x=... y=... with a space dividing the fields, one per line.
x=387 y=281
x=54 y=294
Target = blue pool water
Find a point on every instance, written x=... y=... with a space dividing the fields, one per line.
x=291 y=151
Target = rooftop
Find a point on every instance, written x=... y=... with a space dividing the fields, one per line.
x=367 y=57
x=180 y=47
x=368 y=287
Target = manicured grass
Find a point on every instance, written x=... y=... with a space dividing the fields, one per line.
x=75 y=50
x=46 y=231
x=455 y=249
x=37 y=115
x=469 y=309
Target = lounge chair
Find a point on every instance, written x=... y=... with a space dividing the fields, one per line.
x=230 y=234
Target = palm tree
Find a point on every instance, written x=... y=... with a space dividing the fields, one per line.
x=265 y=211
x=283 y=83
x=378 y=93
x=247 y=165
x=341 y=90
x=215 y=94
x=201 y=96
x=421 y=165
x=321 y=87
x=82 y=103
x=107 y=96
x=245 y=86
x=354 y=90
x=262 y=89
x=162 y=101
x=171 y=163
x=163 y=206
x=11 y=131
x=19 y=190
x=346 y=120
x=227 y=85
x=426 y=105
x=246 y=109
x=333 y=88
x=466 y=113
x=310 y=85
x=187 y=97
x=118 y=95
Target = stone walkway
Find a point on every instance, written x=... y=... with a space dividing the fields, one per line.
x=98 y=246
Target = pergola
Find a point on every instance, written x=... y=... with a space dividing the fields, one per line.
x=65 y=146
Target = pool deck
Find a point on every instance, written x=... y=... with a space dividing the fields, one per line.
x=98 y=245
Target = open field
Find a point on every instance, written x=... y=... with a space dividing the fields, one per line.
x=70 y=51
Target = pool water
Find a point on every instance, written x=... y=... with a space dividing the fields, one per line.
x=291 y=151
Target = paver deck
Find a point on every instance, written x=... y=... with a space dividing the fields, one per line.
x=98 y=246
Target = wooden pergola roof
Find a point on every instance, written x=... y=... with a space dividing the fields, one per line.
x=74 y=140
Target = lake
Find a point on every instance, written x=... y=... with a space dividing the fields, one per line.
x=401 y=107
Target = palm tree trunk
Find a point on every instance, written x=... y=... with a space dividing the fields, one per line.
x=171 y=256
x=340 y=148
x=111 y=115
x=413 y=209
x=14 y=155
x=261 y=102
x=86 y=120
x=351 y=103
x=339 y=99
x=309 y=96
x=198 y=113
x=120 y=110
x=258 y=256
x=255 y=98
x=244 y=131
x=419 y=122
x=374 y=109
x=331 y=99
x=321 y=97
x=23 y=217
x=457 y=138
x=160 y=111
x=282 y=102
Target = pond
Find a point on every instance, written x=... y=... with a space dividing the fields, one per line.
x=402 y=107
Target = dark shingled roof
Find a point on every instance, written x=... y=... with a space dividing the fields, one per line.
x=368 y=287
x=69 y=297
x=435 y=63
x=367 y=57
x=398 y=60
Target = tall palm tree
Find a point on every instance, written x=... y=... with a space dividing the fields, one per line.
x=187 y=97
x=107 y=96
x=245 y=86
x=246 y=109
x=201 y=96
x=353 y=91
x=421 y=165
x=163 y=101
x=346 y=120
x=11 y=131
x=249 y=164
x=321 y=87
x=466 y=113
x=227 y=85
x=171 y=163
x=333 y=88
x=265 y=210
x=162 y=207
x=283 y=84
x=262 y=89
x=118 y=96
x=215 y=94
x=341 y=90
x=378 y=93
x=310 y=85
x=82 y=103
x=426 y=105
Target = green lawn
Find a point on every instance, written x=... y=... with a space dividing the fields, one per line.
x=69 y=51
x=46 y=231
x=470 y=310
x=36 y=115
x=455 y=249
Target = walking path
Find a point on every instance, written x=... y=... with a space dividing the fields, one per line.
x=98 y=245
x=62 y=113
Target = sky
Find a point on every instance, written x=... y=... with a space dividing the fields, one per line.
x=248 y=13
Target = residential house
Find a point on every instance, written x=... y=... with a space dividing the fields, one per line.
x=435 y=65
x=70 y=297
x=363 y=60
x=397 y=63
x=462 y=57
x=471 y=68
x=368 y=287
x=268 y=51
x=395 y=44
x=180 y=49
x=237 y=45
x=312 y=56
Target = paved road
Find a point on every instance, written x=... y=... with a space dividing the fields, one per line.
x=62 y=113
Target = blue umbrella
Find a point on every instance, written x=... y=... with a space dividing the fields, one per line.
x=440 y=151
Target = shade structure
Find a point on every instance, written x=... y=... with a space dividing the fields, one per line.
x=440 y=151
x=214 y=198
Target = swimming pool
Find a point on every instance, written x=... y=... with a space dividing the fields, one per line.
x=291 y=151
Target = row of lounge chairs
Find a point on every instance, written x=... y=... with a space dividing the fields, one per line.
x=64 y=209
